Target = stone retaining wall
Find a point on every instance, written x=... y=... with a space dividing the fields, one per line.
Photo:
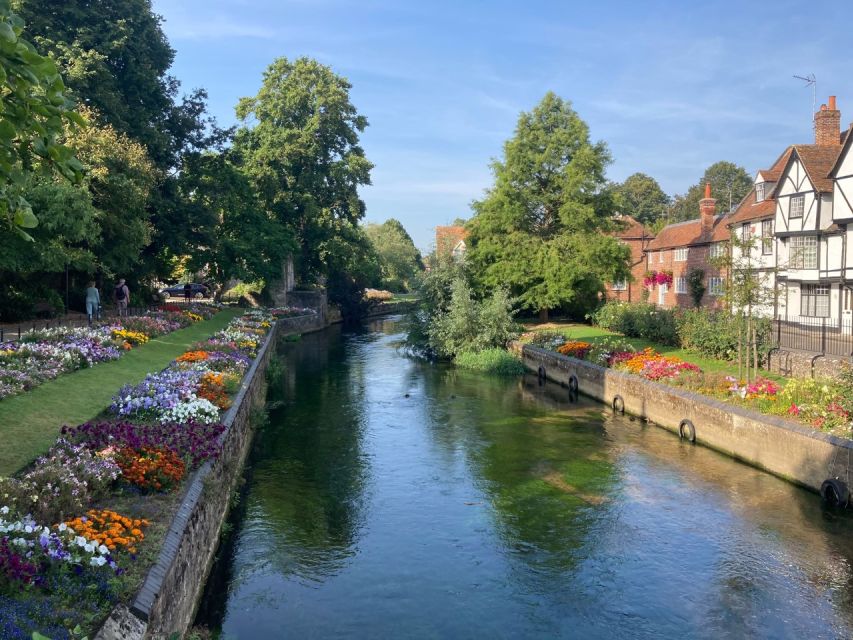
x=167 y=602
x=803 y=364
x=784 y=448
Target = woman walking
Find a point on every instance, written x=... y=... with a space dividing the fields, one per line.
x=93 y=302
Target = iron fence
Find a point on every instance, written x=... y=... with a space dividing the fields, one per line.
x=828 y=336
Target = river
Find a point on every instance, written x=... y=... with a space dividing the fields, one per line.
x=391 y=498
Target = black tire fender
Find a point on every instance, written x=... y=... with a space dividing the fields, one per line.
x=618 y=404
x=686 y=431
x=835 y=493
x=573 y=383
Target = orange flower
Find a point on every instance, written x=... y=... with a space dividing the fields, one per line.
x=194 y=356
x=106 y=527
x=157 y=468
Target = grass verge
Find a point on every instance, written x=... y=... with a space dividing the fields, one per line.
x=30 y=422
x=494 y=361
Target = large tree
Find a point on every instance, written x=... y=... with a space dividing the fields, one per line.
x=299 y=145
x=729 y=184
x=539 y=229
x=399 y=259
x=641 y=197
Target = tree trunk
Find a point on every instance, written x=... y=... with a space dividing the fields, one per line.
x=543 y=315
x=755 y=349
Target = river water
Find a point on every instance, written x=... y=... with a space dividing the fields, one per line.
x=479 y=507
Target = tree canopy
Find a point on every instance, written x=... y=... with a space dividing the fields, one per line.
x=729 y=184
x=399 y=260
x=539 y=229
x=641 y=197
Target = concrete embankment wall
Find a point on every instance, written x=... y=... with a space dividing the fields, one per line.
x=167 y=602
x=784 y=448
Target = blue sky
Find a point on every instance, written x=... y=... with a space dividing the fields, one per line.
x=670 y=86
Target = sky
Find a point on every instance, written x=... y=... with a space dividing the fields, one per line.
x=671 y=87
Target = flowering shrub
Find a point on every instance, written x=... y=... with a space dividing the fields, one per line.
x=659 y=278
x=156 y=469
x=575 y=349
x=654 y=366
x=157 y=393
x=196 y=410
x=110 y=529
x=193 y=356
x=194 y=442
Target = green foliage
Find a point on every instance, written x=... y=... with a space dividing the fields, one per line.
x=495 y=361
x=729 y=184
x=641 y=197
x=696 y=286
x=352 y=265
x=470 y=325
x=641 y=320
x=538 y=230
x=715 y=333
x=399 y=260
x=299 y=146
x=35 y=109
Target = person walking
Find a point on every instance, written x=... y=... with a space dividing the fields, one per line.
x=93 y=302
x=188 y=292
x=121 y=294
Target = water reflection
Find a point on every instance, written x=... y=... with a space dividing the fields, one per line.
x=391 y=498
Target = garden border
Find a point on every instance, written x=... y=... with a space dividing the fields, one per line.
x=167 y=602
x=784 y=448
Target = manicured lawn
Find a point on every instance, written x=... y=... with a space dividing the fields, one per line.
x=30 y=422
x=593 y=334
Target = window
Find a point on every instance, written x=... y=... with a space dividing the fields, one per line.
x=759 y=192
x=681 y=285
x=803 y=252
x=718 y=249
x=660 y=256
x=715 y=286
x=814 y=300
x=745 y=232
x=798 y=205
x=620 y=285
x=680 y=255
x=767 y=237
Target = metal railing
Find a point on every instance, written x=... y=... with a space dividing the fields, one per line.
x=827 y=336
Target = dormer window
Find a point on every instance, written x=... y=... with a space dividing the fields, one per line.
x=759 y=191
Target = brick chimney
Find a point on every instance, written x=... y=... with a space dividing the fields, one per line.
x=707 y=209
x=827 y=124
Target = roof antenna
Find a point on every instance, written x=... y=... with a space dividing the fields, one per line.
x=811 y=81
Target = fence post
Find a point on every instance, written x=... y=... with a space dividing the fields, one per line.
x=823 y=335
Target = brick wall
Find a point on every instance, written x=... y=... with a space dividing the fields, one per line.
x=698 y=257
x=633 y=292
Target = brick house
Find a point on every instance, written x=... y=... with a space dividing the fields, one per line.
x=684 y=247
x=637 y=238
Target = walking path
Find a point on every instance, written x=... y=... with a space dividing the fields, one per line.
x=30 y=422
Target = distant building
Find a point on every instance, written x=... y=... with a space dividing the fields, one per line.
x=450 y=241
x=637 y=238
x=681 y=248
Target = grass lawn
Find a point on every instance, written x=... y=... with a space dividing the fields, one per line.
x=592 y=334
x=30 y=422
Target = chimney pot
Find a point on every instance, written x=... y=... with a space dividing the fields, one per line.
x=832 y=102
x=827 y=124
x=707 y=189
x=707 y=210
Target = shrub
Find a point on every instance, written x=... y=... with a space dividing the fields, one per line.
x=715 y=333
x=495 y=360
x=641 y=320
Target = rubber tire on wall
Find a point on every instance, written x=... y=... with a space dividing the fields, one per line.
x=618 y=404
x=835 y=493
x=687 y=431
x=541 y=373
x=573 y=384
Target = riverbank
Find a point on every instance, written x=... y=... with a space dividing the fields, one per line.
x=796 y=453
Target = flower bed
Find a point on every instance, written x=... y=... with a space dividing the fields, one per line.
x=73 y=525
x=45 y=354
x=823 y=404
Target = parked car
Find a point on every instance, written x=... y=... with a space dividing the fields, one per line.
x=178 y=291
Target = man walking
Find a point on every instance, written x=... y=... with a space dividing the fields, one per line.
x=93 y=302
x=121 y=295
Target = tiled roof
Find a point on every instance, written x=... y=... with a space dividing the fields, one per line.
x=447 y=238
x=749 y=209
x=685 y=234
x=818 y=160
x=630 y=228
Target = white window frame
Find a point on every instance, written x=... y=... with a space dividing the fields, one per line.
x=681 y=284
x=800 y=202
x=814 y=300
x=620 y=285
x=660 y=256
x=680 y=254
x=716 y=286
x=718 y=249
x=767 y=237
x=759 y=191
x=802 y=252
x=745 y=232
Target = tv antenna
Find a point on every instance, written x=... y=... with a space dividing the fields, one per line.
x=811 y=81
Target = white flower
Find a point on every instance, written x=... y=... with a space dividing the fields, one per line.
x=98 y=561
x=80 y=541
x=63 y=527
x=28 y=528
x=89 y=547
x=4 y=510
x=103 y=550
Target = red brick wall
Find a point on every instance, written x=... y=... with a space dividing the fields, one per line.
x=697 y=258
x=634 y=290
